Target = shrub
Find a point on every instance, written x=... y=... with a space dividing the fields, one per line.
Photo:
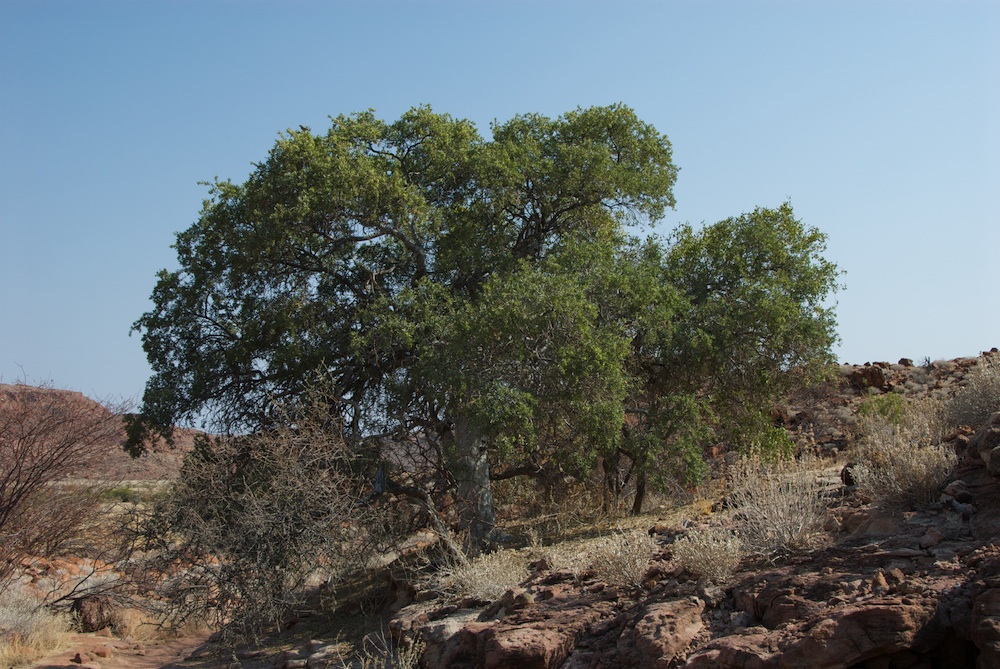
x=890 y=406
x=713 y=553
x=622 y=558
x=27 y=628
x=779 y=505
x=380 y=652
x=252 y=518
x=46 y=438
x=979 y=398
x=486 y=577
x=902 y=464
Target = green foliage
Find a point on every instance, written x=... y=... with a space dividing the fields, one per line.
x=486 y=296
x=890 y=407
x=758 y=318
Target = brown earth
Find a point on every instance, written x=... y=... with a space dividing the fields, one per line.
x=101 y=651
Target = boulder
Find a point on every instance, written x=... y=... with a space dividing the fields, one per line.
x=986 y=628
x=869 y=376
x=667 y=629
x=93 y=612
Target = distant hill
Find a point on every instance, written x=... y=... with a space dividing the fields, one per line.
x=162 y=462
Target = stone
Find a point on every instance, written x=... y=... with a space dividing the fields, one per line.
x=860 y=633
x=93 y=612
x=667 y=629
x=986 y=627
x=526 y=648
x=103 y=651
x=869 y=377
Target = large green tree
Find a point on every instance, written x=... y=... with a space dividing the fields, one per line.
x=425 y=272
x=486 y=300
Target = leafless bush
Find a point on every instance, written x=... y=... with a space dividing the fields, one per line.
x=900 y=462
x=779 y=505
x=712 y=552
x=622 y=558
x=252 y=518
x=47 y=438
x=979 y=398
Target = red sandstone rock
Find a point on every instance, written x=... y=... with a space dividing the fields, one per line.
x=667 y=629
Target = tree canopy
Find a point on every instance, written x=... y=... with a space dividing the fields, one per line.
x=484 y=295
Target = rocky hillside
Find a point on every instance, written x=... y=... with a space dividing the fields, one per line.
x=162 y=462
x=905 y=589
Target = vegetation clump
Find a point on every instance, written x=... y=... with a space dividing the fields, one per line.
x=622 y=558
x=900 y=461
x=713 y=553
x=778 y=505
x=979 y=398
x=28 y=628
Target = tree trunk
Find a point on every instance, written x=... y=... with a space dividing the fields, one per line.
x=640 y=493
x=472 y=474
x=612 y=483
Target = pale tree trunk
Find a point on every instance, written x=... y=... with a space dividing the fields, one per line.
x=472 y=474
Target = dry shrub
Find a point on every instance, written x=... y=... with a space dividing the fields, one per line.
x=378 y=651
x=900 y=463
x=28 y=629
x=779 y=505
x=979 y=398
x=252 y=519
x=709 y=552
x=46 y=438
x=622 y=558
x=485 y=577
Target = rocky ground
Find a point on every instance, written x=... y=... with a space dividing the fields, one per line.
x=889 y=590
x=892 y=590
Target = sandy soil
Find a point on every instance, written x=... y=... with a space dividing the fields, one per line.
x=95 y=651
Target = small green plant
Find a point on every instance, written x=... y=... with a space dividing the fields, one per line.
x=123 y=494
x=622 y=558
x=890 y=406
x=713 y=553
x=979 y=398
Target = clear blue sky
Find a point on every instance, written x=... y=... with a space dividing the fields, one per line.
x=878 y=120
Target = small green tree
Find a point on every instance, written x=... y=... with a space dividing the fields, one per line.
x=759 y=318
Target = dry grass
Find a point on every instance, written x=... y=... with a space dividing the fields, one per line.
x=779 y=505
x=28 y=630
x=379 y=652
x=979 y=398
x=486 y=577
x=709 y=552
x=901 y=464
x=622 y=558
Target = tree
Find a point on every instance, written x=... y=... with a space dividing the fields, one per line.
x=751 y=318
x=376 y=255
